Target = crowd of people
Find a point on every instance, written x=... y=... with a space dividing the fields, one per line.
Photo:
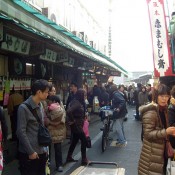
x=155 y=108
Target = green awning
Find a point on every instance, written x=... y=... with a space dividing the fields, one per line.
x=81 y=48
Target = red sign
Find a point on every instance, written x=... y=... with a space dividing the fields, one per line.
x=160 y=41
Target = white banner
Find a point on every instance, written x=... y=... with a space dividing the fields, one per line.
x=161 y=50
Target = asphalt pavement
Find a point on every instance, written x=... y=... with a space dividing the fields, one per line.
x=126 y=157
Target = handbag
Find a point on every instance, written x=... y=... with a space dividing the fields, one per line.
x=169 y=150
x=44 y=138
x=88 y=142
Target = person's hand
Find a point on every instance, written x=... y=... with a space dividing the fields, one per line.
x=171 y=131
x=34 y=156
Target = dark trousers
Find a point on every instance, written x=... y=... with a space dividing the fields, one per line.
x=32 y=167
x=75 y=139
x=137 y=112
x=58 y=154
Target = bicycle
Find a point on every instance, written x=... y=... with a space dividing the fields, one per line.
x=106 y=114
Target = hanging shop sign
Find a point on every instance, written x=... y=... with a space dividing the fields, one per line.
x=69 y=62
x=160 y=43
x=15 y=44
x=62 y=57
x=49 y=56
x=1 y=31
x=20 y=83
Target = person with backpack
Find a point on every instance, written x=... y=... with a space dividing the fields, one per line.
x=32 y=156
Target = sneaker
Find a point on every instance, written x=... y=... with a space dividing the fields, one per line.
x=118 y=144
x=60 y=169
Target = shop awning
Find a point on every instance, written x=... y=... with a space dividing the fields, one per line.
x=39 y=24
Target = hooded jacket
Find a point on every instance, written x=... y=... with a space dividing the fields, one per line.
x=154 y=135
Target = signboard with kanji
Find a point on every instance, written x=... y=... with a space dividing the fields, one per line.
x=15 y=44
x=160 y=43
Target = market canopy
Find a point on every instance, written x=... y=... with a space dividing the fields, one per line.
x=39 y=24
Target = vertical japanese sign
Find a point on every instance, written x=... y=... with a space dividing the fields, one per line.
x=161 y=50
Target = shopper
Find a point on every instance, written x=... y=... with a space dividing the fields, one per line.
x=76 y=115
x=143 y=96
x=32 y=156
x=15 y=100
x=73 y=90
x=155 y=120
x=119 y=106
x=55 y=122
x=149 y=91
x=136 y=93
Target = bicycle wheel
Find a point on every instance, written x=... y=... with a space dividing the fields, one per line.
x=104 y=138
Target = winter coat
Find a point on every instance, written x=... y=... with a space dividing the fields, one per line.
x=143 y=98
x=154 y=134
x=57 y=114
x=171 y=116
x=76 y=114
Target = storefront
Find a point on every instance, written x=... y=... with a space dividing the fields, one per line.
x=33 y=50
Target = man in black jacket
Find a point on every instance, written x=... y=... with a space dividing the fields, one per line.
x=119 y=106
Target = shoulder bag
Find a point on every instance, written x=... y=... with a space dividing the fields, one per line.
x=44 y=138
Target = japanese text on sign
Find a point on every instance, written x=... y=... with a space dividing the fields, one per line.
x=159 y=37
x=15 y=44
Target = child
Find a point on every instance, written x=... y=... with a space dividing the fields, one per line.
x=56 y=127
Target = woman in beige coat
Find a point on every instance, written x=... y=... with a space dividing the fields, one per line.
x=154 y=117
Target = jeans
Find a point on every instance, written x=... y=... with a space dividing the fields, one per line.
x=32 y=167
x=75 y=139
x=120 y=130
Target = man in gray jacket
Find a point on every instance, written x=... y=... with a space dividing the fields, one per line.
x=32 y=157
